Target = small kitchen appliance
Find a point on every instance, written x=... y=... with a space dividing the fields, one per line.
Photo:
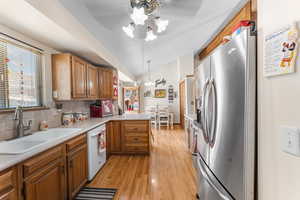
x=102 y=108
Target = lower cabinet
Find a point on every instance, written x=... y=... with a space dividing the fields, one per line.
x=136 y=137
x=57 y=174
x=113 y=137
x=128 y=137
x=77 y=167
x=8 y=185
x=47 y=184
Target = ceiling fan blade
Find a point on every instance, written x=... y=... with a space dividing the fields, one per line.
x=115 y=7
x=186 y=8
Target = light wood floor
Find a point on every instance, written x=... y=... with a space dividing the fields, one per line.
x=165 y=175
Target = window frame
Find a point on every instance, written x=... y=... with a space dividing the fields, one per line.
x=24 y=45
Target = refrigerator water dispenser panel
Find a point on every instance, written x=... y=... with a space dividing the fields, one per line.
x=290 y=140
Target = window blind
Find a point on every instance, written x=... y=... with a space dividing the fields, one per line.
x=20 y=76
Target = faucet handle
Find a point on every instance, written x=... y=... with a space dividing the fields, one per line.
x=28 y=126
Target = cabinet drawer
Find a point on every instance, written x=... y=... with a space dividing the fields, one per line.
x=11 y=195
x=136 y=126
x=42 y=160
x=136 y=134
x=75 y=143
x=136 y=139
x=8 y=184
x=140 y=148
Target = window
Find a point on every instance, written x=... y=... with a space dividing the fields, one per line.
x=20 y=76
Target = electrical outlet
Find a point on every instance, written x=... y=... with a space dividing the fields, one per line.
x=290 y=140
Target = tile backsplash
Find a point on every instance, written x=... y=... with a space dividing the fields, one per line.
x=52 y=116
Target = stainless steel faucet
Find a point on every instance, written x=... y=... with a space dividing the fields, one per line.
x=21 y=128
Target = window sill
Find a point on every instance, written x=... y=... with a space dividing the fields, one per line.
x=12 y=110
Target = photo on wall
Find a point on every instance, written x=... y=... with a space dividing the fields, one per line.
x=160 y=93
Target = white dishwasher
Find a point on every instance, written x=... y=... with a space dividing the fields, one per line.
x=96 y=150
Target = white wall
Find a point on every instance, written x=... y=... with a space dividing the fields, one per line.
x=170 y=73
x=185 y=65
x=279 y=173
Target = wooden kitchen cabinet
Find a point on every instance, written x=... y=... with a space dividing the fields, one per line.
x=113 y=137
x=47 y=184
x=69 y=77
x=135 y=137
x=92 y=82
x=79 y=78
x=128 y=137
x=75 y=79
x=44 y=176
x=8 y=185
x=77 y=166
x=105 y=83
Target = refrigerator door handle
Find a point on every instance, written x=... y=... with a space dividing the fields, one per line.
x=203 y=114
x=212 y=181
x=212 y=135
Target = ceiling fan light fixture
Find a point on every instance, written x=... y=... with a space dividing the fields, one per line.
x=129 y=30
x=138 y=16
x=161 y=24
x=150 y=36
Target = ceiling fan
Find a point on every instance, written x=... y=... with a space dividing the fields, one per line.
x=143 y=15
x=148 y=13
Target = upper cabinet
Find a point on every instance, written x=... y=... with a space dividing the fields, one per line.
x=73 y=78
x=108 y=83
x=92 y=82
x=79 y=78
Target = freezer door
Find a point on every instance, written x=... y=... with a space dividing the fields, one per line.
x=202 y=146
x=209 y=188
x=226 y=120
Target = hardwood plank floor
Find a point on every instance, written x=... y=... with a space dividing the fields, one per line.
x=167 y=174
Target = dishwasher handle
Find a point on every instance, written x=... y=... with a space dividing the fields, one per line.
x=96 y=133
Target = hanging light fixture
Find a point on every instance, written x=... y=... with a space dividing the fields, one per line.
x=129 y=30
x=161 y=24
x=143 y=14
x=149 y=83
x=150 y=35
x=138 y=16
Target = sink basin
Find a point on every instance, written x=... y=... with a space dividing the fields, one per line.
x=27 y=143
x=55 y=133
x=19 y=146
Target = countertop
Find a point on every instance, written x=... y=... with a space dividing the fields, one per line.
x=7 y=161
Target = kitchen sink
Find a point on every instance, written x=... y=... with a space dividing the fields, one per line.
x=28 y=143
x=19 y=146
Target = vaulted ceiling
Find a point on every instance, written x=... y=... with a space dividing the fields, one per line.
x=93 y=28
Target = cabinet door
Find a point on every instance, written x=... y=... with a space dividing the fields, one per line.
x=47 y=184
x=79 y=78
x=114 y=140
x=8 y=185
x=11 y=195
x=77 y=170
x=106 y=83
x=92 y=81
x=109 y=87
x=101 y=83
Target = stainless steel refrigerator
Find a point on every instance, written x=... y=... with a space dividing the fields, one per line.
x=226 y=104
